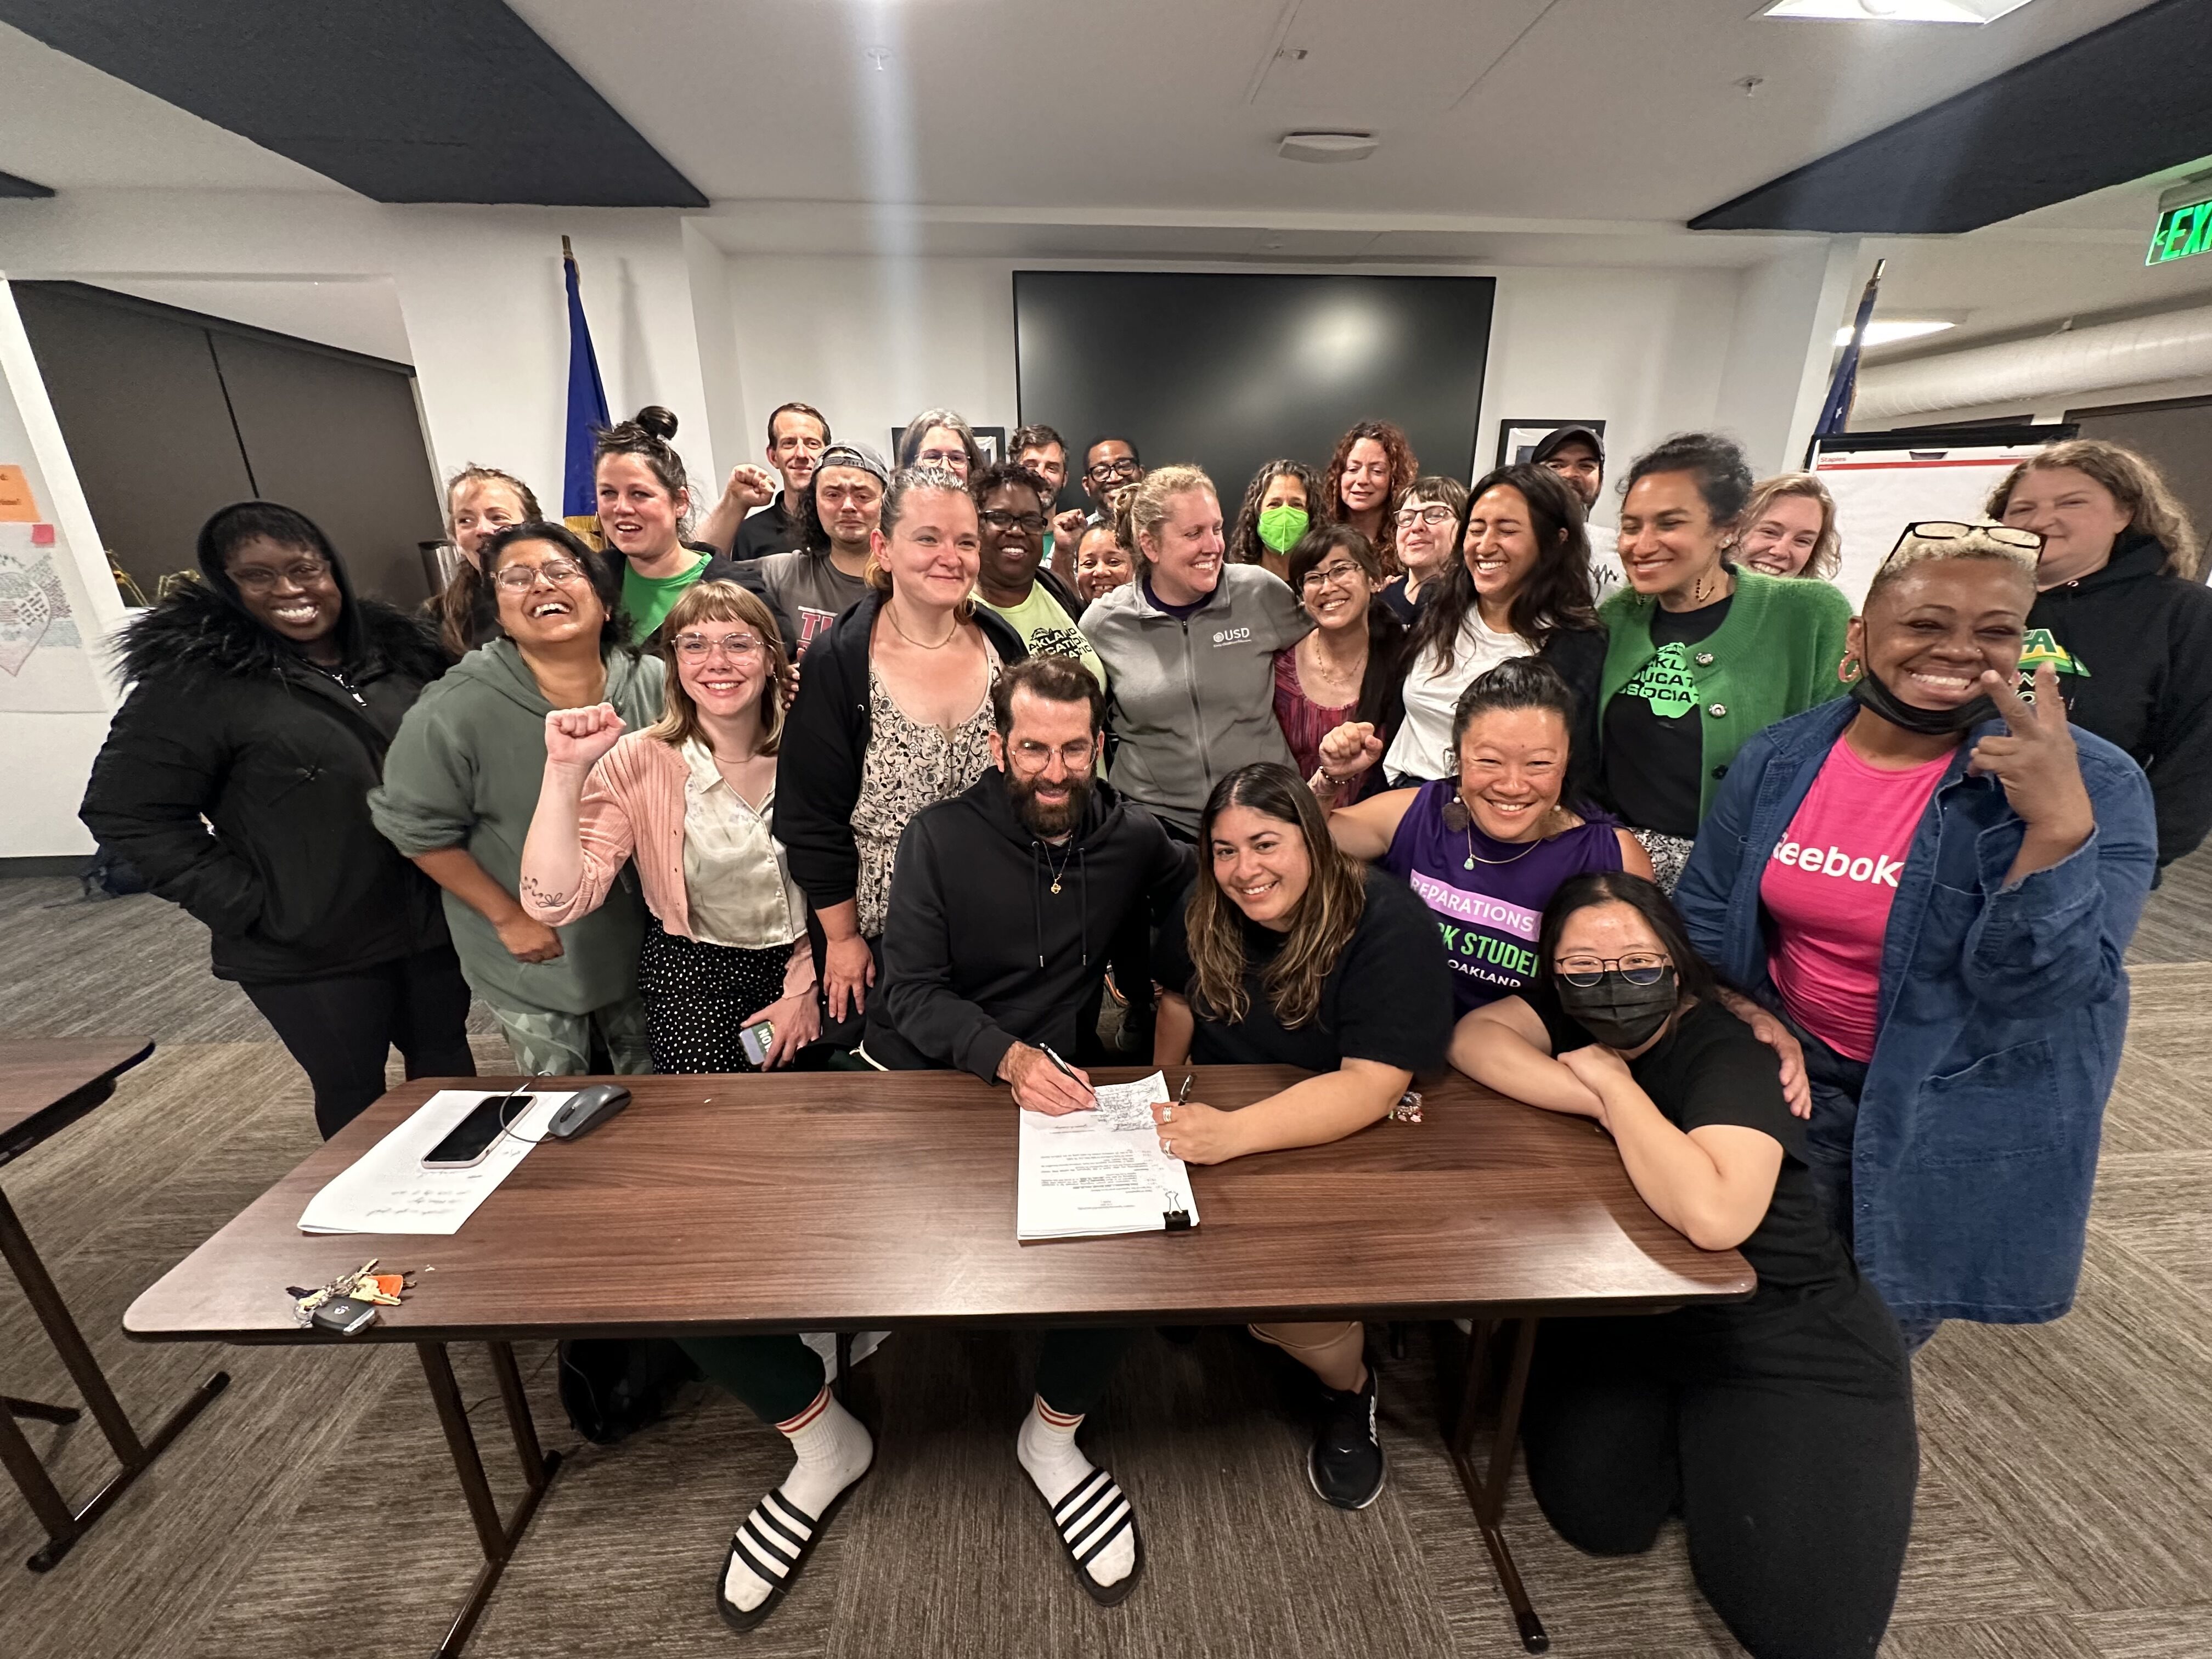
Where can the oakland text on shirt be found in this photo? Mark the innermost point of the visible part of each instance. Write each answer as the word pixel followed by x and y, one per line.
pixel 1049 641
pixel 1835 862
pixel 1468 948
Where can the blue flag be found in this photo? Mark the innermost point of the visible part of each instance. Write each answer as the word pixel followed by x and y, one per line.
pixel 1836 412
pixel 588 404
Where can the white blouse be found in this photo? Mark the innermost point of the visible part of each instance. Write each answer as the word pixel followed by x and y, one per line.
pixel 1423 747
pixel 737 881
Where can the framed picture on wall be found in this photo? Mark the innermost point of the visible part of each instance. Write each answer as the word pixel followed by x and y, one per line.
pixel 1518 440
pixel 991 439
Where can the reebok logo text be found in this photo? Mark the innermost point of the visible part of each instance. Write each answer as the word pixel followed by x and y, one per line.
pixel 1834 861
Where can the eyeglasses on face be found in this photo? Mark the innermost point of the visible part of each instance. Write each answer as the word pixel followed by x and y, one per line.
pixel 1341 571
pixel 1124 467
pixel 1637 967
pixel 1000 519
pixel 1034 757
pixel 522 578
pixel 1434 513
pixel 738 647
pixel 259 579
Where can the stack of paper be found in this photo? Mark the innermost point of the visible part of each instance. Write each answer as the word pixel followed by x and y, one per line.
pixel 1092 1173
pixel 388 1190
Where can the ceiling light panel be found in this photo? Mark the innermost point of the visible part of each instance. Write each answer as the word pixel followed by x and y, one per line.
pixel 1895 11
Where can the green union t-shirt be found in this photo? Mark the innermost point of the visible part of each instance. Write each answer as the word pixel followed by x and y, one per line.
pixel 650 598
pixel 1047 629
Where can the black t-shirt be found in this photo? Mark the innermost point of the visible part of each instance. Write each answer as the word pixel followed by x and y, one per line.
pixel 1711 1069
pixel 1389 998
pixel 1406 610
pixel 1652 759
pixel 768 531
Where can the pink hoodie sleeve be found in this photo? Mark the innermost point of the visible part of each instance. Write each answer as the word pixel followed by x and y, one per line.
pixel 607 837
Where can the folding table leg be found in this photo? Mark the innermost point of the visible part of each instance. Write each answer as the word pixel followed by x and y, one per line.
pixel 498 1538
pixel 38 1409
pixel 1485 1493
pixel 133 1454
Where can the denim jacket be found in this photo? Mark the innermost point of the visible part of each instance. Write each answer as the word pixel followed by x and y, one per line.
pixel 2001 1013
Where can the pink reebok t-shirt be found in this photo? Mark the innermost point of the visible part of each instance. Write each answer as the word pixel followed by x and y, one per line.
pixel 1828 885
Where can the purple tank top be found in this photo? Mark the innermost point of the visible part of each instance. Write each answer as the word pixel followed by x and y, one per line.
pixel 1489 895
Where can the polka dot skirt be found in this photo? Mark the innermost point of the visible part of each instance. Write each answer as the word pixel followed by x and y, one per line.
pixel 698 996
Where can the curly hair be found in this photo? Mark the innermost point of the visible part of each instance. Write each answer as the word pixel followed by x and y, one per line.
pixel 2134 483
pixel 1245 546
pixel 1405 467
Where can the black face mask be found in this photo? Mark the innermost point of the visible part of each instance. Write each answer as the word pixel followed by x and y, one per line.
pixel 1871 693
pixel 1617 1013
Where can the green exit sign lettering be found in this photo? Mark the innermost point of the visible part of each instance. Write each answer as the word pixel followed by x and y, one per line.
pixel 2182 231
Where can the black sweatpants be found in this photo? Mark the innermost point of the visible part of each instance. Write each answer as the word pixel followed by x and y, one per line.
pixel 1786 1445
pixel 341 1029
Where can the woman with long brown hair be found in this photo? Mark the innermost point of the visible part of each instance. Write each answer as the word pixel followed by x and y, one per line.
pixel 1287 953
pixel 1281 503
pixel 1373 468
pixel 725 945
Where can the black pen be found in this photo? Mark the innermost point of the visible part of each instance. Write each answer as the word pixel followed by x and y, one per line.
pixel 1059 1065
pixel 1183 1094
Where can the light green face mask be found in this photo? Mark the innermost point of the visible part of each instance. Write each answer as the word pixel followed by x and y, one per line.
pixel 1281 526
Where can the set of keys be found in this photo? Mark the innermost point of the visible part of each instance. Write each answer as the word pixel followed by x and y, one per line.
pixel 349 1300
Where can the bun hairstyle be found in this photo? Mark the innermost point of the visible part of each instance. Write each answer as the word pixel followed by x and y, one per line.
pixel 647 435
pixel 2134 483
pixel 1723 476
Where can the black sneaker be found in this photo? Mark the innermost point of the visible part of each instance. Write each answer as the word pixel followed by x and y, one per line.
pixel 1346 1465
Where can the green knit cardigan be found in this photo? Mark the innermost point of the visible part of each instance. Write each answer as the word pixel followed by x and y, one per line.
pixel 1777 654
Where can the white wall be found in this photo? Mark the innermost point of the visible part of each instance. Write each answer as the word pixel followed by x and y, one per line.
pixel 872 343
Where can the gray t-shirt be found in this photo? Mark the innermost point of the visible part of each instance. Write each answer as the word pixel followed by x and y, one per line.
pixel 811 590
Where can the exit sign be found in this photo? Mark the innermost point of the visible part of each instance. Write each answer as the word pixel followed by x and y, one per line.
pixel 2182 231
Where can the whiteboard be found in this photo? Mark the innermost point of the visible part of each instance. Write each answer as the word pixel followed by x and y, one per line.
pixel 1879 490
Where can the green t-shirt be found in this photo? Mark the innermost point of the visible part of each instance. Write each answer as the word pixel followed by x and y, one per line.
pixel 650 598
pixel 1047 629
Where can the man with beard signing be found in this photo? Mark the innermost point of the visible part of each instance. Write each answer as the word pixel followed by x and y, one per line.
pixel 1002 903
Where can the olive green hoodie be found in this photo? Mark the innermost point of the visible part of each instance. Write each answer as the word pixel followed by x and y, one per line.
pixel 464 772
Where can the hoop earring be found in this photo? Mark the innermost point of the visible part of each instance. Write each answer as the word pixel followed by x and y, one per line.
pixel 1849 670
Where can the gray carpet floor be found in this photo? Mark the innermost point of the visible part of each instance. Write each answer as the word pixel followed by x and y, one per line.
pixel 2065 1504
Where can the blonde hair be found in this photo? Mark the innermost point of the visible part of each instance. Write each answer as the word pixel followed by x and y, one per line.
pixel 1912 551
pixel 722 602
pixel 1153 500
pixel 2135 484
pixel 906 482
pixel 1827 556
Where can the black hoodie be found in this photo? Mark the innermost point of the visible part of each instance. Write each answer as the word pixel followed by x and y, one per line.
pixel 995 937
pixel 227 722
pixel 2133 648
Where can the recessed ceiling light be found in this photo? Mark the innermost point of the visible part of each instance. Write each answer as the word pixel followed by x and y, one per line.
pixel 1889 333
pixel 1896 12
pixel 1328 146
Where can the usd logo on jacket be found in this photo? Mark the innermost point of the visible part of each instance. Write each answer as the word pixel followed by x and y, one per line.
pixel 1231 636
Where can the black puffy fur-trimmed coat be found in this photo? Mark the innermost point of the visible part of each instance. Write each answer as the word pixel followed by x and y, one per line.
pixel 225 722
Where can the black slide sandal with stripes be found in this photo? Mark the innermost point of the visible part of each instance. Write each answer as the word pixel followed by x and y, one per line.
pixel 1087 1520
pixel 777 1538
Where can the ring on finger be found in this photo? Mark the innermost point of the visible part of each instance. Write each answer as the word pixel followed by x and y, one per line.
pixel 1168 1116
pixel 1168 1146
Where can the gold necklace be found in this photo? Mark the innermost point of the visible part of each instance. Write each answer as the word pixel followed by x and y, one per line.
pixel 916 643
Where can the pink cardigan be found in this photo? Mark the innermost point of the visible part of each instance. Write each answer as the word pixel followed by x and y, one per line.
pixel 633 808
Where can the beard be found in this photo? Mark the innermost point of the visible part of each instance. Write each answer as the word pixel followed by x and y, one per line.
pixel 1048 820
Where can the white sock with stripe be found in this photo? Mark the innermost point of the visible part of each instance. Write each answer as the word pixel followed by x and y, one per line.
pixel 835 1449
pixel 1086 1504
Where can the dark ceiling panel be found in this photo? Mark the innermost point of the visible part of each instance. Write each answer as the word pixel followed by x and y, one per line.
pixel 11 185
pixel 2126 100
pixel 404 101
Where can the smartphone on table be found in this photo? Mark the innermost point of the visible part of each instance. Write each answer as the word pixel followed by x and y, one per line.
pixel 471 1139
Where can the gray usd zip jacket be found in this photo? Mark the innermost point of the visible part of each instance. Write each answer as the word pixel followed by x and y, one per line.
pixel 1192 701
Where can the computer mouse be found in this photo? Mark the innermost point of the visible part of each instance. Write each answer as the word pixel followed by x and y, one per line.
pixel 588 1107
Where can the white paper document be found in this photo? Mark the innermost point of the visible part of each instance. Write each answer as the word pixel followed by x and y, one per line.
pixel 388 1190
pixel 1092 1173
